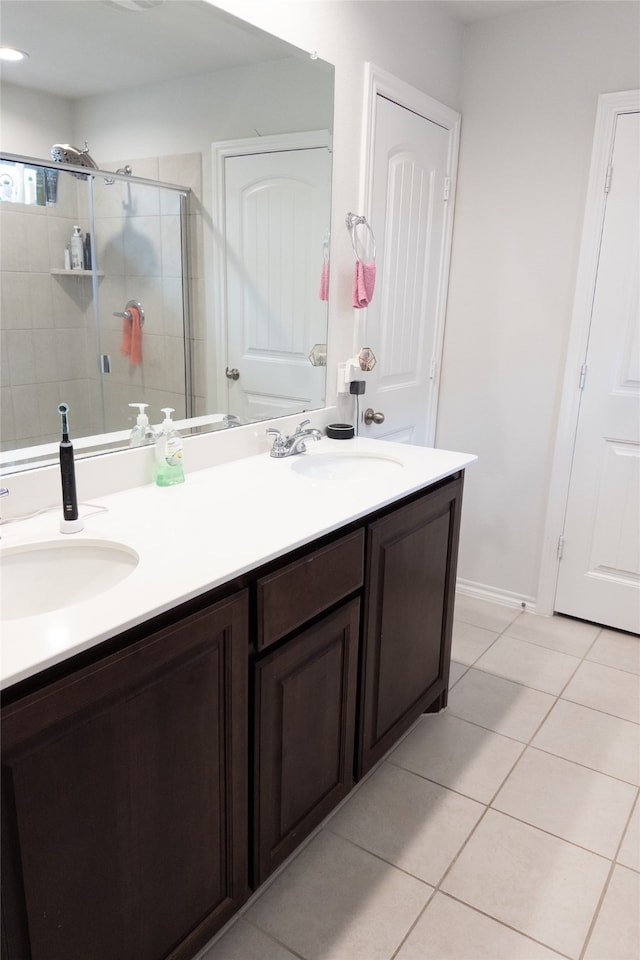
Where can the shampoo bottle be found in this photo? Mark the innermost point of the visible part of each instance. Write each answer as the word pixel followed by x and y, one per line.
pixel 142 433
pixel 77 250
pixel 169 468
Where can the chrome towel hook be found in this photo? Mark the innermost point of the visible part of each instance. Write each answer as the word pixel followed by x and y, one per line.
pixel 354 220
pixel 127 312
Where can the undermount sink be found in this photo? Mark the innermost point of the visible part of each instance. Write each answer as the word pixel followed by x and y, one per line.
pixel 53 574
pixel 348 466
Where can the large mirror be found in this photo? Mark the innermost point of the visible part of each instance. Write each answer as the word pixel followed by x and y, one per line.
pixel 217 137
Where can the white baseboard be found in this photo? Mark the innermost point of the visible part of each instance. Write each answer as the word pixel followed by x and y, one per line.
pixel 505 597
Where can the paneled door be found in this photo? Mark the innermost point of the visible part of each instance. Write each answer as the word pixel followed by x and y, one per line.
pixel 276 222
pixel 599 572
pixel 412 161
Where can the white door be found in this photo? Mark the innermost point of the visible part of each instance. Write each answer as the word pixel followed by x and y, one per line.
pixel 599 572
pixel 277 218
pixel 410 190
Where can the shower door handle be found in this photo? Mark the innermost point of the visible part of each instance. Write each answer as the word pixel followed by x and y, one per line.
pixel 232 374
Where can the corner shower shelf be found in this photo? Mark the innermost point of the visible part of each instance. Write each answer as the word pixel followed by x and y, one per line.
pixel 58 272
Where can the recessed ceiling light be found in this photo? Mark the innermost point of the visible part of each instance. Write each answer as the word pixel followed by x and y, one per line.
pixel 8 53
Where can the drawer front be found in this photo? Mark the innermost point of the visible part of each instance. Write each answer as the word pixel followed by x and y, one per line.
pixel 301 590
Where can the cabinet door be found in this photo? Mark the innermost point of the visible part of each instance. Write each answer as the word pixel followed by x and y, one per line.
pixel 304 734
pixel 124 789
pixel 408 618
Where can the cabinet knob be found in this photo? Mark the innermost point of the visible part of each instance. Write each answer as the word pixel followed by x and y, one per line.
pixel 370 416
pixel 232 374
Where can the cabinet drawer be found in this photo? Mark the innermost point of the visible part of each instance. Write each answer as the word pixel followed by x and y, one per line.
pixel 300 591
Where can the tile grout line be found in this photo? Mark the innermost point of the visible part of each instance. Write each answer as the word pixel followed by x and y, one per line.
pixel 614 863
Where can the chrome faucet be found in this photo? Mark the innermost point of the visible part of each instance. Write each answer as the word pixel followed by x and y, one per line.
pixel 296 443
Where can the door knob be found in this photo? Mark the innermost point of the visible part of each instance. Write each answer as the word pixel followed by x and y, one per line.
pixel 232 374
pixel 370 416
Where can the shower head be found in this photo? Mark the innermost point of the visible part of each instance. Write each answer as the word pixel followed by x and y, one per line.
pixel 65 153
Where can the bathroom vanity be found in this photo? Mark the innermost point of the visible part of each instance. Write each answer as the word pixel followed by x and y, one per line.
pixel 156 775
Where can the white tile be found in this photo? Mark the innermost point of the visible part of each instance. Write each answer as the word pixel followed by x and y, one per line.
pixel 605 688
pixel 245 942
pixel 336 901
pixel 408 821
pixel 484 613
pixel 469 642
pixel 142 246
pixel 457 754
pixel 570 801
pixel 544 887
pixel 456 671
pixel 594 739
pixel 616 649
pixel 617 930
pixel 449 930
pixel 563 634
pixel 527 663
pixel 630 850
pixel 500 705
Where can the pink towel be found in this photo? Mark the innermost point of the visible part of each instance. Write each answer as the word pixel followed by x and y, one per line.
pixel 323 292
pixel 364 279
pixel 131 345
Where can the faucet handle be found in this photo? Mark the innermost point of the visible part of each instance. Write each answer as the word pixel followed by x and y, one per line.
pixel 273 432
pixel 301 426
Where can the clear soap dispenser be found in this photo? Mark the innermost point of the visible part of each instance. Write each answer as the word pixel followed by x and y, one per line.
pixel 142 433
pixel 169 469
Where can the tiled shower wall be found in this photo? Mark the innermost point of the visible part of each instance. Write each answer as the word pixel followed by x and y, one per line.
pixel 45 340
pixel 50 346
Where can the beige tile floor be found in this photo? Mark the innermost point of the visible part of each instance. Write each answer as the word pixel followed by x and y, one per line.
pixel 506 827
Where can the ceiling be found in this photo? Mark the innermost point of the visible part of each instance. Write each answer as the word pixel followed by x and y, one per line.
pixel 80 48
pixel 470 11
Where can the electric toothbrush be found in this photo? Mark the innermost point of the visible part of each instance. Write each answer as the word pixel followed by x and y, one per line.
pixel 70 522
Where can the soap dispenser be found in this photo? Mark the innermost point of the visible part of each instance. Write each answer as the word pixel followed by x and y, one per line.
pixel 169 469
pixel 142 433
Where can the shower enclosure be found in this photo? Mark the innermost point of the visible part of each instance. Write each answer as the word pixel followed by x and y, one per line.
pixel 65 332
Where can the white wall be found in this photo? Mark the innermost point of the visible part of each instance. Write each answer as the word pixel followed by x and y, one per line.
pixel 530 88
pixel 31 119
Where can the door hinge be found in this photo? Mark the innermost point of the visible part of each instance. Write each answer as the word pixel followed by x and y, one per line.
pixel 447 188
pixel 105 363
pixel 583 376
pixel 560 547
pixel 607 179
pixel 433 370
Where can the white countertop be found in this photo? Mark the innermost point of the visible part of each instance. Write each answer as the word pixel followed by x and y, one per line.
pixel 222 522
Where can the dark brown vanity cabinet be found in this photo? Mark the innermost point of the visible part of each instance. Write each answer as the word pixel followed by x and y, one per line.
pixel 304 696
pixel 408 617
pixel 145 784
pixel 125 798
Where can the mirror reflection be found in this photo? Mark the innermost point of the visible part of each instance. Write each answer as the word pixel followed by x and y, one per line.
pixel 216 222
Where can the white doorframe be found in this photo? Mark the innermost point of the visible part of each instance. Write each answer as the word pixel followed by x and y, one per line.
pixel 219 152
pixel 379 82
pixel 610 106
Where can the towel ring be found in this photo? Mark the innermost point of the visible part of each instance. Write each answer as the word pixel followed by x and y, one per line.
pixel 127 312
pixel 354 220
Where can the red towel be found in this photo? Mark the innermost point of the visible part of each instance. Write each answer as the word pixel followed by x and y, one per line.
pixel 364 279
pixel 131 345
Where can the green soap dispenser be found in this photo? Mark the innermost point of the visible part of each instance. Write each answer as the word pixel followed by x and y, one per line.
pixel 169 468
